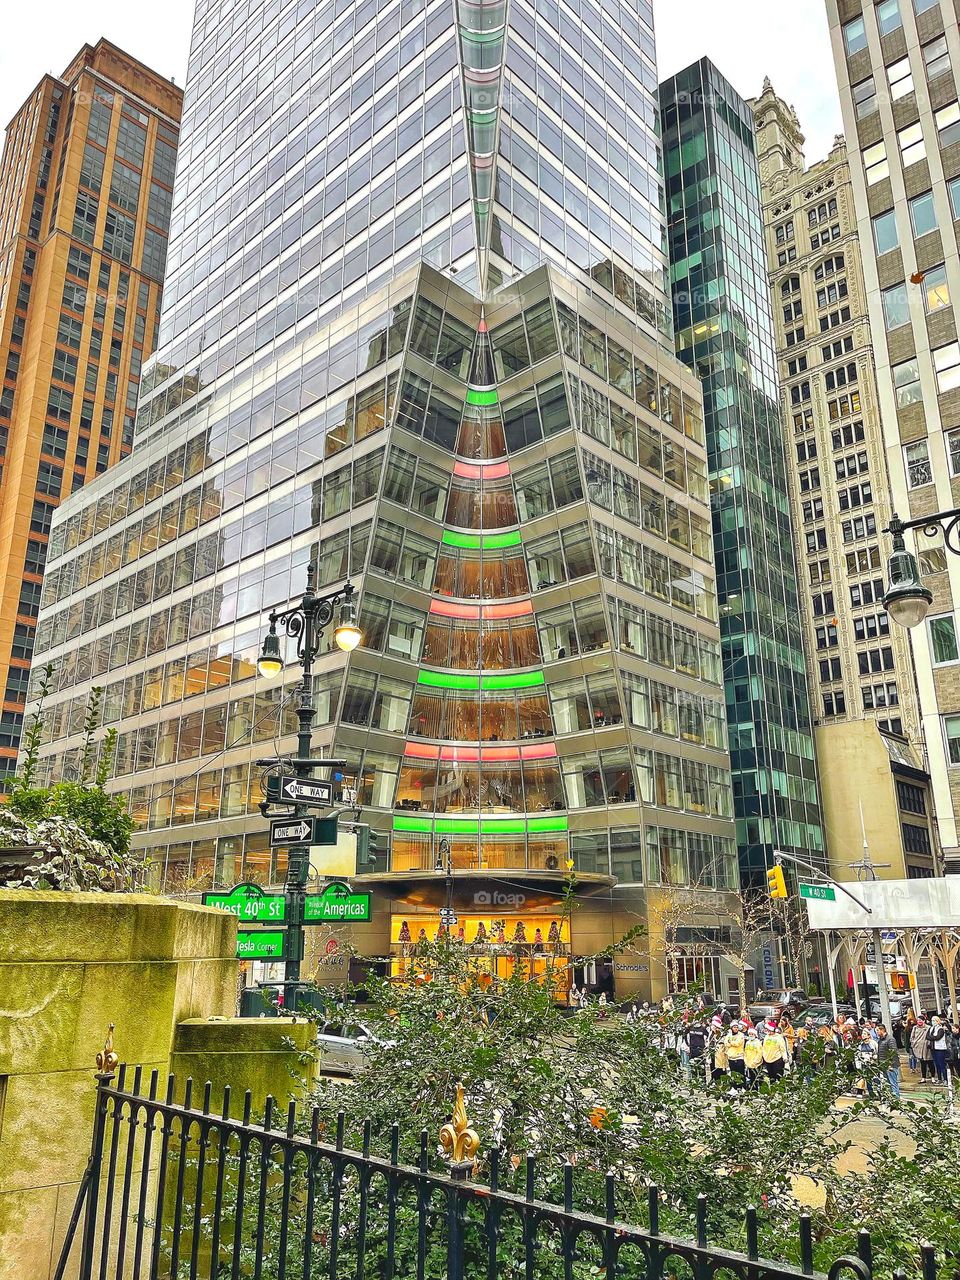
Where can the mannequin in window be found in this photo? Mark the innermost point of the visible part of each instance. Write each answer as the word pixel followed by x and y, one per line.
pixel 553 936
pixel 481 939
pixel 404 937
pixel 538 943
pixel 520 934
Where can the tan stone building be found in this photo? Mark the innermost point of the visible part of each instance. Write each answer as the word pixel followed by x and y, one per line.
pixel 859 663
pixel 85 189
pixel 897 67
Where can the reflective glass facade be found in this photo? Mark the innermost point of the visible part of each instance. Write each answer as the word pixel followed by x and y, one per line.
pixel 722 312
pixel 511 471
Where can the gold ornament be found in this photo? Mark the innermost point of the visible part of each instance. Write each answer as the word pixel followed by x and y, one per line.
pixel 107 1060
pixel 458 1140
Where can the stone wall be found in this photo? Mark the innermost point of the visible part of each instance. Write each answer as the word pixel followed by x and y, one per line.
pixel 71 964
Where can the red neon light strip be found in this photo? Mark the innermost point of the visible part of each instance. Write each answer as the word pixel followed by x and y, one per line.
pixel 481 470
pixel 490 612
pixel 467 755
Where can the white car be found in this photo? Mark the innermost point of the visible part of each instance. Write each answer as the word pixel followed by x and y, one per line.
pixel 342 1048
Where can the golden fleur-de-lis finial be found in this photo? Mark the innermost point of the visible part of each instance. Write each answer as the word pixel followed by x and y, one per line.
pixel 458 1140
pixel 107 1060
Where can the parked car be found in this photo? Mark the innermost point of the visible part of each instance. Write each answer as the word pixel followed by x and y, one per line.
pixel 898 1011
pixel 821 1015
pixel 342 1048
pixel 768 1004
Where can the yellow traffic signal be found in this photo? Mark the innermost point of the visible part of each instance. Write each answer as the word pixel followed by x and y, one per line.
pixel 776 883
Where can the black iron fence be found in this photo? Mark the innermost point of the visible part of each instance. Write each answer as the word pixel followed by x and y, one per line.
pixel 178 1191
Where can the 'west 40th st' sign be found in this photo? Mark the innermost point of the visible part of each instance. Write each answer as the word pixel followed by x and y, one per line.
pixel 335 905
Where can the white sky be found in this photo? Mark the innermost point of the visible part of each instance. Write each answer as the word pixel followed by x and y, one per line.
pixel 747 39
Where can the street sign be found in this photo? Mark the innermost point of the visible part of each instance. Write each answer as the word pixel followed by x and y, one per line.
pixel 302 831
pixel 249 903
pixel 261 944
pixel 822 892
pixel 336 904
pixel 292 790
pixel 448 917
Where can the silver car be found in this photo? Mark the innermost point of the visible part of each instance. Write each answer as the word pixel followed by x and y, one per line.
pixel 342 1048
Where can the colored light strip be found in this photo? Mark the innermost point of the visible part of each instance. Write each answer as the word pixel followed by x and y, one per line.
pixel 481 542
pixel 471 755
pixel 491 612
pixel 486 826
pixel 481 470
pixel 448 680
pixel 477 397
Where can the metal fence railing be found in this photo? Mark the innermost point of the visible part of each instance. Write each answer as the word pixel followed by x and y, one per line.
pixel 180 1191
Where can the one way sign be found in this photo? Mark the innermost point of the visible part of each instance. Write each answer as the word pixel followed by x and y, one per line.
pixel 303 831
pixel 285 787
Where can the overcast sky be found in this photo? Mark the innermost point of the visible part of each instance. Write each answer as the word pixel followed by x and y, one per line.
pixel 747 39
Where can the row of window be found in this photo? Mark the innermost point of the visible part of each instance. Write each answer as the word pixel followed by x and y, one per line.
pixel 912 143
pixel 888 19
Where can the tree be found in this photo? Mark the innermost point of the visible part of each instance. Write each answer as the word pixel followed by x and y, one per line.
pixel 84 831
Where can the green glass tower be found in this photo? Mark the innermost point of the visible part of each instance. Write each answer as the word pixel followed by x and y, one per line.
pixel 724 333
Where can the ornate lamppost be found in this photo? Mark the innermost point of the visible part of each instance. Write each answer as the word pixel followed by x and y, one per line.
pixel 305 623
pixel 907 600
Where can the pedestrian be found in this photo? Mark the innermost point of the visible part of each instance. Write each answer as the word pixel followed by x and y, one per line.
pixel 866 1060
pixel 753 1058
pixel 573 995
pixel 734 1042
pixel 909 1023
pixel 888 1059
pixel 774 1051
pixel 921 1048
pixel 694 1043
pixel 940 1045
pixel 788 1031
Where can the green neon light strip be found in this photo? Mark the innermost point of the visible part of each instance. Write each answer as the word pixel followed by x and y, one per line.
pixel 481 542
pixel 481 397
pixel 447 680
pixel 486 826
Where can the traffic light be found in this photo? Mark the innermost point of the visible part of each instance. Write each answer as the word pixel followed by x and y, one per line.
pixel 367 846
pixel 776 883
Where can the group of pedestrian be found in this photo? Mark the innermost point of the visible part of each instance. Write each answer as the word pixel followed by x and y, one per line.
pixel 719 1046
pixel 933 1045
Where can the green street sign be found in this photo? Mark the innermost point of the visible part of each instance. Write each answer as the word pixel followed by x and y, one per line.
pixel 821 892
pixel 249 903
pixel 335 905
pixel 261 944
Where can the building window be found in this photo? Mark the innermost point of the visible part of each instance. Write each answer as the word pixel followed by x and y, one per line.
pixel 915 839
pixel 899 78
pixel 951 728
pixel 911 142
pixel 888 16
pixel 936 58
pixel 923 217
pixel 936 292
pixel 921 6
pixel 946 361
pixel 943 639
pixel 906 381
pixel 854 36
pixel 953 451
pixel 834 704
pixel 910 798
pixel 916 457
pixel 885 232
pixel 954 186
pixel 865 97
pixel 875 163
pixel 948 124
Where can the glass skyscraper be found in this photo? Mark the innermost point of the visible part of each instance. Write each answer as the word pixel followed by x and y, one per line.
pixel 724 332
pixel 415 331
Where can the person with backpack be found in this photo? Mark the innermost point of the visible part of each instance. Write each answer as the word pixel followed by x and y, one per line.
pixel 694 1042
pixel 888 1059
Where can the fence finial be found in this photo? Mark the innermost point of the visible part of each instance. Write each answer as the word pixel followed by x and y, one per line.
pixel 459 1141
pixel 107 1059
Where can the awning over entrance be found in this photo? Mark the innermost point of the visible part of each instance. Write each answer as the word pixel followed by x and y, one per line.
pixel 512 890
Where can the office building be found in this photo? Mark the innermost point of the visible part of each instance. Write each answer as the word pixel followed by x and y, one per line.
pixel 86 182
pixel 858 662
pixel 725 333
pixel 415 331
pixel 897 64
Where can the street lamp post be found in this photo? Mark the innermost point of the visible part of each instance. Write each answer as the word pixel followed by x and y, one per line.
pixel 907 600
pixel 305 623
